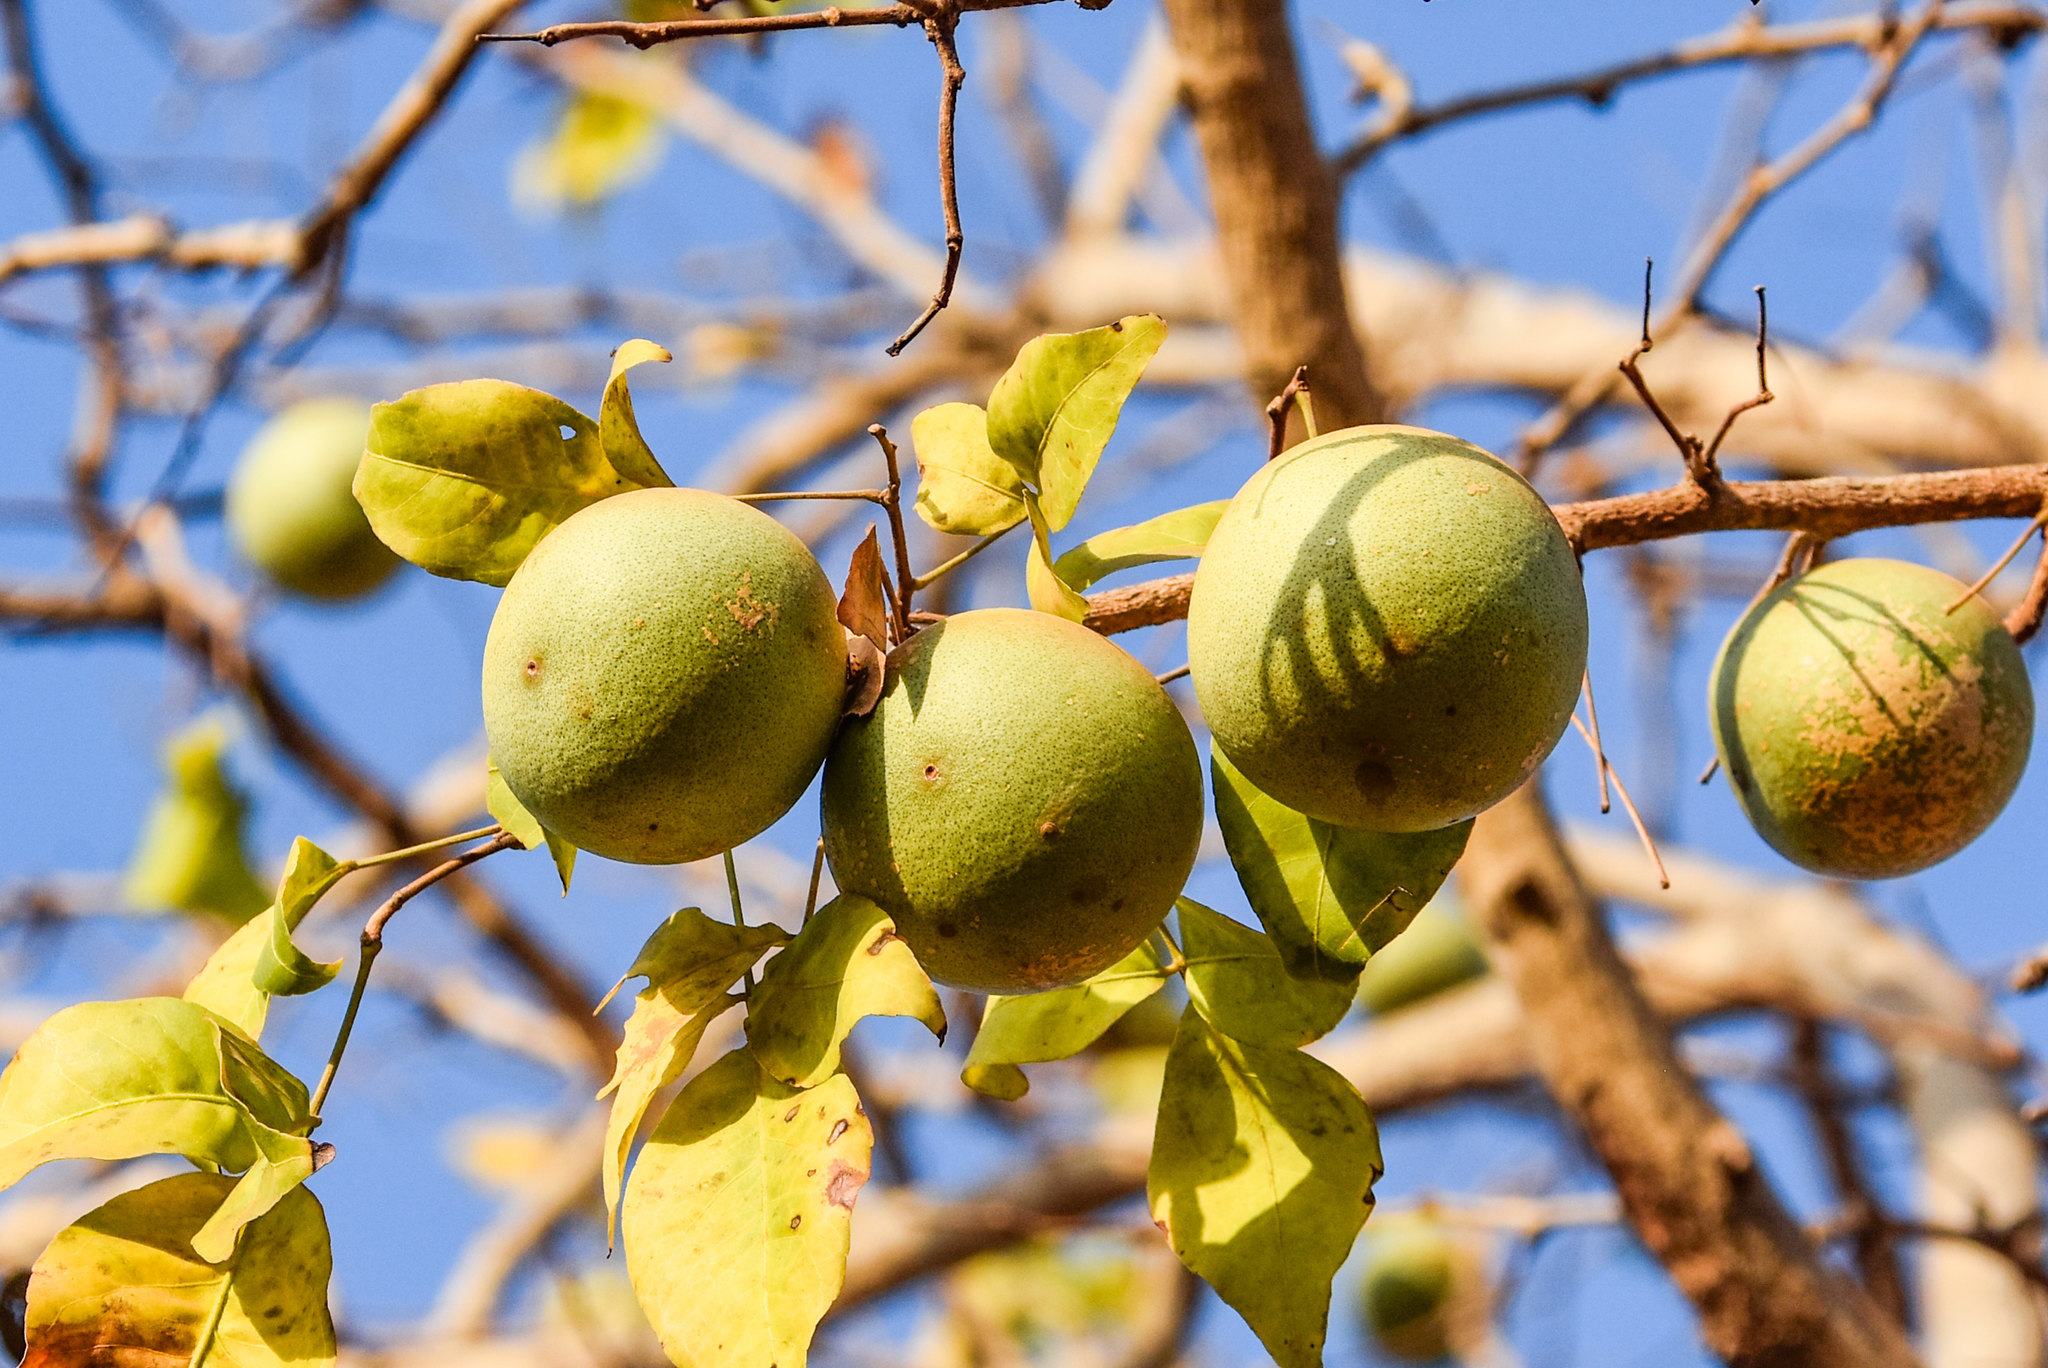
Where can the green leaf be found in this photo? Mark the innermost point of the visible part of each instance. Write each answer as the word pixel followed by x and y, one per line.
pixel 618 429
pixel 123 1285
pixel 688 963
pixel 282 969
pixel 1238 983
pixel 1052 413
pixel 1330 896
pixel 963 487
pixel 847 963
pixel 1179 535
pixel 118 1080
pixel 739 1212
pixel 523 826
pixel 189 855
pixel 1033 1027
pixel 1046 591
pixel 463 479
pixel 1262 1169
pixel 599 144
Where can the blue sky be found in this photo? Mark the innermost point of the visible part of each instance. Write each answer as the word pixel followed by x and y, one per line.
pixel 1562 196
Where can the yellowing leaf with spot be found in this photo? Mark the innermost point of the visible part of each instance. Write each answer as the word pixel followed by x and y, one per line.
pixel 123 1285
pixel 847 963
pixel 1179 535
pixel 688 963
pixel 117 1080
pixel 1033 1027
pixel 1052 413
pixel 524 827
pixel 1262 1169
pixel 1236 981
pixel 963 487
pixel 463 479
pixel 600 144
pixel 1329 896
pixel 739 1211
pixel 619 429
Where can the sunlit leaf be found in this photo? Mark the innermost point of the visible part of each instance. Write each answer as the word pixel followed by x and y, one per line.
pixel 1052 413
pixel 599 144
pixel 1237 982
pixel 1330 896
pixel 189 855
pixel 738 1215
pixel 1032 1027
pixel 463 479
pixel 118 1080
pixel 1262 1169
pixel 847 963
pixel 688 963
pixel 124 1286
pixel 282 969
pixel 511 814
pixel 1046 591
pixel 963 487
pixel 619 429
pixel 1179 535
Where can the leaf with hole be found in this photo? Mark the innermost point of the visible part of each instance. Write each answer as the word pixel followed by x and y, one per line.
pixel 847 963
pixel 1179 535
pixel 1263 1163
pixel 463 479
pixel 1329 896
pixel 1237 982
pixel 1052 413
pixel 123 1285
pixel 1030 1028
pixel 742 1163
pixel 688 963
pixel 963 487
pixel 618 429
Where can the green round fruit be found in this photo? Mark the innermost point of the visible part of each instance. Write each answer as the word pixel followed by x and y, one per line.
pixel 290 510
pixel 663 675
pixel 1388 629
pixel 1436 952
pixel 1407 1295
pixel 1024 800
pixel 1868 732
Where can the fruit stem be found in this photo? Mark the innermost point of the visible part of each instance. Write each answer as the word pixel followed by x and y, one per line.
pixel 393 856
pixel 373 943
pixel 739 916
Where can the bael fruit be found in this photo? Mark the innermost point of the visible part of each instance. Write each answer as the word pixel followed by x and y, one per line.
pixel 1024 800
pixel 1388 629
pixel 663 675
pixel 1418 1288
pixel 290 509
pixel 1867 731
pixel 1436 952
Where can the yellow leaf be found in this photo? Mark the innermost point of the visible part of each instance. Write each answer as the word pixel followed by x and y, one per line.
pixel 963 487
pixel 600 144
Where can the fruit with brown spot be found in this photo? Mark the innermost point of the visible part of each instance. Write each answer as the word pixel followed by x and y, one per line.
pixel 1867 731
pixel 1025 801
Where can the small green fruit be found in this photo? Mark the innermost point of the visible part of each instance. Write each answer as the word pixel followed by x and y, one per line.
pixel 1024 800
pixel 1388 629
pixel 189 856
pixel 290 510
pixel 663 675
pixel 1867 731
pixel 1436 952
pixel 1416 1277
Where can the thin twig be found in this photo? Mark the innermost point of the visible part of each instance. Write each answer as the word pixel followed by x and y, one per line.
pixel 373 943
pixel 1593 730
pixel 1983 580
pixel 1763 393
pixel 1627 805
pixel 680 30
pixel 892 500
pixel 1276 412
pixel 817 873
pixel 873 496
pixel 2025 618
pixel 939 28
pixel 952 563
pixel 1171 675
pixel 739 915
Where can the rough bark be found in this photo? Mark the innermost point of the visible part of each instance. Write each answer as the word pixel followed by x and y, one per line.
pixel 1686 1177
pixel 1275 202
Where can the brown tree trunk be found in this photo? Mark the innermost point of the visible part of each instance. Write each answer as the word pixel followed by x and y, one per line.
pixel 1685 1175
pixel 1275 201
